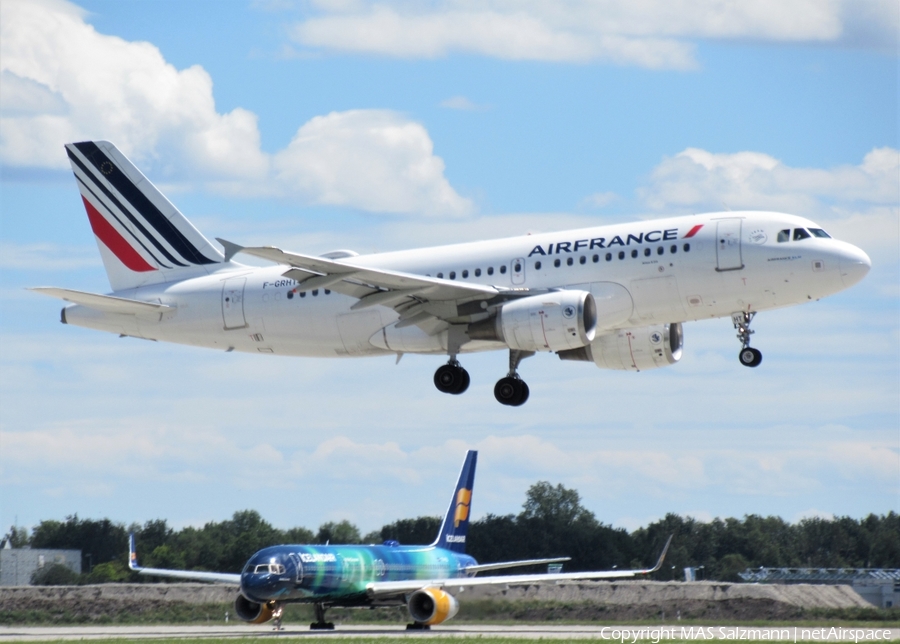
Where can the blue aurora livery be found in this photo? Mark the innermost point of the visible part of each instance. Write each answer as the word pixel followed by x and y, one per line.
pixel 390 574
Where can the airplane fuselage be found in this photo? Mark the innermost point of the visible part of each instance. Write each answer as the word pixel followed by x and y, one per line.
pixel 642 273
pixel 340 574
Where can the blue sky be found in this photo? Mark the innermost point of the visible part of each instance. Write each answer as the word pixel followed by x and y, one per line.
pixel 323 125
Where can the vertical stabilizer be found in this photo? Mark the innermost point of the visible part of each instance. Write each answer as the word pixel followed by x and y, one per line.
pixel 456 523
pixel 142 237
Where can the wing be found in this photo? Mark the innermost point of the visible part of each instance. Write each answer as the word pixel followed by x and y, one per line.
pixel 418 299
pixel 387 588
pixel 195 575
pixel 105 303
pixel 514 564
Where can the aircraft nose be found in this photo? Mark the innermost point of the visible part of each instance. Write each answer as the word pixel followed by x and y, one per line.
pixel 855 265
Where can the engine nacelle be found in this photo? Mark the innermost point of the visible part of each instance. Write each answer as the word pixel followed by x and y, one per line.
pixel 252 612
pixel 432 606
pixel 638 349
pixel 556 321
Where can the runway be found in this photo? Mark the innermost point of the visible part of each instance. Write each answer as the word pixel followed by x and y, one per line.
pixel 621 634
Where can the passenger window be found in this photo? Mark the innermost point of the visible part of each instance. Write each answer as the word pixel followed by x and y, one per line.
pixel 687 248
pixel 596 258
pixel 621 254
pixel 465 274
pixel 800 233
pixel 327 292
pixel 634 253
pixel 784 235
pixel 490 270
pixel 537 266
pixel 673 249
pixel 440 276
pixel 453 275
pixel 518 267
pixel 818 232
pixel 608 257
pixel 583 259
pixel 660 250
pixel 315 291
pixel 302 293
pixel 570 261
pixel 556 262
pixel 477 272
pixel 503 269
pixel 646 252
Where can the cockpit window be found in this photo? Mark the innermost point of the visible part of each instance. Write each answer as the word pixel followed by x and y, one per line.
pixel 269 568
pixel 800 233
pixel 784 235
pixel 818 232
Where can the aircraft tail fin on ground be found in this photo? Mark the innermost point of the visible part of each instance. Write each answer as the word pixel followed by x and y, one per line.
pixel 456 523
pixel 141 235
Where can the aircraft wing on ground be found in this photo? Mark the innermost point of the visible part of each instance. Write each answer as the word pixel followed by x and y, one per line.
pixel 195 575
pixel 417 298
pixel 388 588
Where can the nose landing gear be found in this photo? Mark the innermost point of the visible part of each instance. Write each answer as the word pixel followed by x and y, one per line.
pixel 512 390
pixel 748 356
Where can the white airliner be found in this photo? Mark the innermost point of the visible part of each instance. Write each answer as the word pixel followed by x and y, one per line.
pixel 612 295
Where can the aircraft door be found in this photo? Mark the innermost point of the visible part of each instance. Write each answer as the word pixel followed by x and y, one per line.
pixel 298 568
pixel 517 271
pixel 728 245
pixel 233 303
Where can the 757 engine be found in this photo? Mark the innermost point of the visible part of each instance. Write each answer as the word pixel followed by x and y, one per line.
pixel 253 612
pixel 637 349
pixel 431 606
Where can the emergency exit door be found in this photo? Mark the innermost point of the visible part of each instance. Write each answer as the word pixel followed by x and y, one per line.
pixel 233 303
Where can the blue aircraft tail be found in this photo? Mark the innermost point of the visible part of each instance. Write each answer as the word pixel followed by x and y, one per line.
pixel 456 523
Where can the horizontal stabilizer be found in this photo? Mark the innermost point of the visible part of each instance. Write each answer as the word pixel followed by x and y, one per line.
pixel 105 303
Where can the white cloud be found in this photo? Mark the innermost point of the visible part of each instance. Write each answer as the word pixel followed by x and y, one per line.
pixel 63 81
pixel 647 33
pixel 372 157
pixel 844 196
pixel 463 104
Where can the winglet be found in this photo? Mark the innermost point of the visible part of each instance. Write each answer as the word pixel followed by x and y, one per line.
pixel 662 556
pixel 132 554
pixel 231 249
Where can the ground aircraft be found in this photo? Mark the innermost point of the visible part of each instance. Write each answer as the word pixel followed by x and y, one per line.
pixel 421 577
pixel 612 295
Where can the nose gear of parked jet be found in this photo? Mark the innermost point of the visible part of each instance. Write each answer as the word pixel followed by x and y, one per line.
pixel 512 390
pixel 451 378
pixel 748 356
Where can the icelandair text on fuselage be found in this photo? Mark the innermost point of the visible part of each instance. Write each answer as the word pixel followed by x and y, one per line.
pixel 791 634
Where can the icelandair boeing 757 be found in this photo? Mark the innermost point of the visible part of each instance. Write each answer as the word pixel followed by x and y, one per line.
pixel 612 295
pixel 421 577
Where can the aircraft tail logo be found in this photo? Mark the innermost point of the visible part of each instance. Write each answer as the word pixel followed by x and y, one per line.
pixel 141 235
pixel 456 522
pixel 463 501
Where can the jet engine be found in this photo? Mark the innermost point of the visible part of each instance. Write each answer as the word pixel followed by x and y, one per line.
pixel 252 612
pixel 432 606
pixel 637 349
pixel 556 321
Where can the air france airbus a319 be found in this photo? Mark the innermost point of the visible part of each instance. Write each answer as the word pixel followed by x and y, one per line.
pixel 420 577
pixel 612 295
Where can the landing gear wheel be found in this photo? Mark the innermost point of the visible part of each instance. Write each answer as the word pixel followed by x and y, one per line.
pixel 451 379
pixel 511 391
pixel 416 626
pixel 750 357
pixel 321 626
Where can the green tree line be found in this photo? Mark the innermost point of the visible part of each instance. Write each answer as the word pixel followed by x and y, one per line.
pixel 552 523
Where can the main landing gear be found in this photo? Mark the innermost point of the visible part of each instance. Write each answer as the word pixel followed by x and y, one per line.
pixel 512 390
pixel 451 378
pixel 320 624
pixel 748 356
